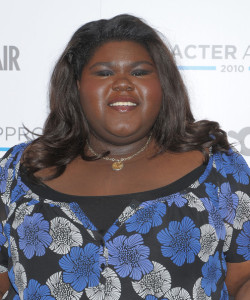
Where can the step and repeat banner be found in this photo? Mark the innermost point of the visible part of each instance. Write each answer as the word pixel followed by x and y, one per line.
pixel 210 40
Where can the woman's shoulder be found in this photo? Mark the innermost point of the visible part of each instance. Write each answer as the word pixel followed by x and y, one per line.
pixel 10 161
pixel 14 151
pixel 232 163
pixel 9 172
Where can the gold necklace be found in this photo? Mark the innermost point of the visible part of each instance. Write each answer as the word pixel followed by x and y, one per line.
pixel 118 164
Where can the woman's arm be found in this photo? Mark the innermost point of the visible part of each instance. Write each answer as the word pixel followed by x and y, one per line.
pixel 238 280
pixel 244 292
pixel 4 283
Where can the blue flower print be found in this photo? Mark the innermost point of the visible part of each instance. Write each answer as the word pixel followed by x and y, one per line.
pixel 129 256
pixel 176 198
pixel 7 228
pixel 215 218
pixel 238 168
pixel 212 192
pixel 234 164
pixel 223 262
pixel 5 172
pixel 227 203
pixel 211 272
pixel 3 178
pixel 2 237
pixel 19 190
pixel 150 297
pixel 33 235
pixel 180 241
pixel 81 216
pixel 150 215
pixel 219 160
pixel 19 152
pixel 12 278
pixel 102 254
pixel 37 291
pixel 32 202
pixel 243 241
pixel 207 171
pixel 19 149
pixel 224 293
pixel 112 230
pixel 81 267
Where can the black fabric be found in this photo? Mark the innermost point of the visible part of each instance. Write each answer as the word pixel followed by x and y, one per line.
pixel 104 210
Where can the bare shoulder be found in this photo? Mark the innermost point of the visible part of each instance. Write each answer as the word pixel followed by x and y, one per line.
pixel 186 161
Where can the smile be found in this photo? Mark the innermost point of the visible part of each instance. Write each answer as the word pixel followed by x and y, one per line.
pixel 123 104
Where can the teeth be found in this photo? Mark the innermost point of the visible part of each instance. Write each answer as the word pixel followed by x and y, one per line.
pixel 123 104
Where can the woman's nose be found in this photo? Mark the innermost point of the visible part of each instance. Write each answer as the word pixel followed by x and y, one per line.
pixel 122 84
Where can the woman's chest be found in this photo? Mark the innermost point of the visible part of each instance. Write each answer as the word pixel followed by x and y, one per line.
pixel 152 248
pixel 97 178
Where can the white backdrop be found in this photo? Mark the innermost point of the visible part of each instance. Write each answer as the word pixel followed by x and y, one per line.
pixel 210 39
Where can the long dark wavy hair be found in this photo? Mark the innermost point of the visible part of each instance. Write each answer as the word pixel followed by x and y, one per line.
pixel 66 128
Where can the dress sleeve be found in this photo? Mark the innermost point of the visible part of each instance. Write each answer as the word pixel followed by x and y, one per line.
pixel 5 173
pixel 234 205
pixel 9 168
pixel 3 250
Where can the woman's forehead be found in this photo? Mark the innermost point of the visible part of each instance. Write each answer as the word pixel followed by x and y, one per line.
pixel 120 51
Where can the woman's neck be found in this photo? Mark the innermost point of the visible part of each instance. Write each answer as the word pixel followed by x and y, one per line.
pixel 122 150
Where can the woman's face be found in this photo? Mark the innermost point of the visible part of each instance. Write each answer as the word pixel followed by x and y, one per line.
pixel 120 92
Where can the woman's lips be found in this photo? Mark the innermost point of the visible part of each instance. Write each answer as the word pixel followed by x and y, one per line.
pixel 123 104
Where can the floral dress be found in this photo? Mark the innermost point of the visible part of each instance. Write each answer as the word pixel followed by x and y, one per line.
pixel 170 243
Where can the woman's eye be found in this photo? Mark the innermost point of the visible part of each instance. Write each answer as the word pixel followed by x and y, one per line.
pixel 140 72
pixel 104 73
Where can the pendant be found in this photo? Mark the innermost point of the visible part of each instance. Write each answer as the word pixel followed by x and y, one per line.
pixel 117 165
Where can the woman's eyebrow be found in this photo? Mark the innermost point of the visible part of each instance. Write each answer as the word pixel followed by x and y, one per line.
pixel 102 63
pixel 142 62
pixel 111 64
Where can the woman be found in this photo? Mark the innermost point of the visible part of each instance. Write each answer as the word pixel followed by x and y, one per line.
pixel 124 195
